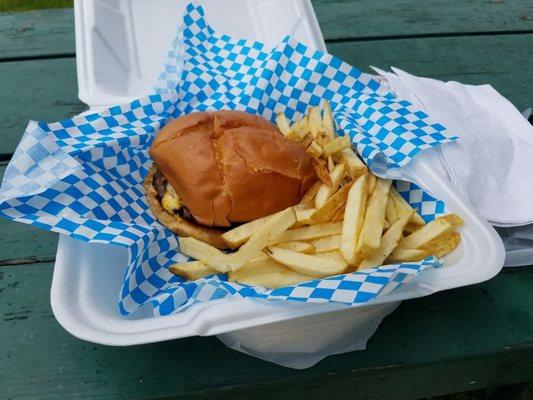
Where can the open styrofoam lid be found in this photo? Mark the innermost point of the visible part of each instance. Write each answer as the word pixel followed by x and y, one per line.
pixel 121 45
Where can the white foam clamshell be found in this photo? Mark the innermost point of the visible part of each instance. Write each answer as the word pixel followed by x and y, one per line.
pixel 121 44
pixel 87 277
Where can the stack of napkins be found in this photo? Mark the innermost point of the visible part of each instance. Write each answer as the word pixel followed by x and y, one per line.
pixel 491 164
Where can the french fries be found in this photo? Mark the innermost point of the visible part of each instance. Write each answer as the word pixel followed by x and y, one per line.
pixel 318 267
pixel 192 270
pixel 239 235
pixel 402 207
pixel 207 254
pixel 389 241
pixel 390 210
pixel 273 280
pixel 258 265
pixel 310 194
pixel 300 129
pixel 322 171
pixel 336 145
pixel 315 149
pixel 446 244
pixel 429 232
pixel 315 122
pixel 370 236
pixel 327 243
pixel 310 232
pixel 300 247
pixel 348 220
pixel 328 122
pixel 354 165
pixel 372 180
pixel 354 214
pixel 283 124
pixel 265 235
pixel 400 254
pixel 330 207
pixel 304 217
pixel 326 191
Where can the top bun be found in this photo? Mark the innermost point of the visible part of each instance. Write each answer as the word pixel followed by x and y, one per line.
pixel 231 166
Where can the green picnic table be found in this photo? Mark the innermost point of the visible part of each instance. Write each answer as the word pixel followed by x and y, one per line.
pixel 459 340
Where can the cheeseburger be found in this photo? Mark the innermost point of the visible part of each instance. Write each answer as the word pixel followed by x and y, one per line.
pixel 215 170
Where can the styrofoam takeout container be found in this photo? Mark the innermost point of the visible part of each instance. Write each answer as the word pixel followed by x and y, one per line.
pixel 120 52
pixel 121 44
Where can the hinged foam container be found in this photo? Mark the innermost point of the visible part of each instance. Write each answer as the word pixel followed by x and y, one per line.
pixel 121 46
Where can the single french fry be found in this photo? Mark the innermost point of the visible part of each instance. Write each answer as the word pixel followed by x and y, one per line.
pixel 322 139
pixel 283 124
pixel 328 243
pixel 315 121
pixel 354 214
pixel 303 128
pixel 322 171
pixel 401 254
pixel 370 236
pixel 192 270
pixel 265 235
pixel 447 239
pixel 388 243
pixel 410 228
pixel 301 207
pixel 372 180
pixel 386 224
pixel 325 191
pixel 306 264
pixel 427 233
pixel 239 235
pixel 304 217
pixel 311 193
pixel 339 215
pixel 333 255
pixel 446 244
pixel 336 145
pixel 309 232
pixel 328 122
pixel 390 211
pixel 314 149
pixel 257 266
pixel 207 254
pixel 403 207
pixel 455 220
pixel 300 247
pixel 306 140
pixel 331 163
pixel 274 280
pixel 334 203
pixel 354 165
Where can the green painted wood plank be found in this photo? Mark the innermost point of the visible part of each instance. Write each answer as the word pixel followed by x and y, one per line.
pixel 51 32
pixel 20 243
pixel 458 340
pixel 39 90
pixel 374 19
pixel 37 33
pixel 46 89
pixel 502 61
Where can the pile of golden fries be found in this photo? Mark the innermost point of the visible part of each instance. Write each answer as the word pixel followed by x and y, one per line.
pixel 348 220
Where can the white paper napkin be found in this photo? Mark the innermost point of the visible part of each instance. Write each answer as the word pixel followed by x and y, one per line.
pixel 491 165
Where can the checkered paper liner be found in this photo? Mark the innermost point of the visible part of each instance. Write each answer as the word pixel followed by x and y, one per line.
pixel 82 177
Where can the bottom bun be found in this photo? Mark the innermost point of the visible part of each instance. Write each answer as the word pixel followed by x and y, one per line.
pixel 176 223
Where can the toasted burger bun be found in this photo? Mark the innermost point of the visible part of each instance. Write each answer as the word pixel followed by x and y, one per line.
pixel 230 167
pixel 176 223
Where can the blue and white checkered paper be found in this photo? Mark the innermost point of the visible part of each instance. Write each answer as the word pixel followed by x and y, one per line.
pixel 83 176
